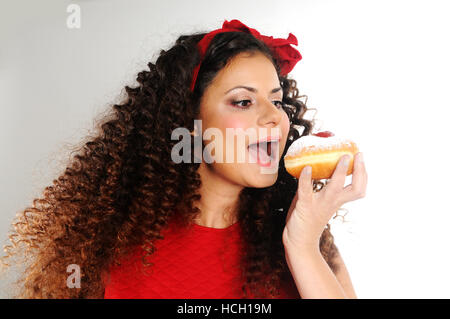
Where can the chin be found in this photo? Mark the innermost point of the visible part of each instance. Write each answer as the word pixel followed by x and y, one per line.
pixel 262 180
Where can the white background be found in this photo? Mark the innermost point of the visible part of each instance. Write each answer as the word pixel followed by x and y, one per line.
pixel 377 71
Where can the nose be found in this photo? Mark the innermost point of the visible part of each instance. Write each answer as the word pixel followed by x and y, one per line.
pixel 270 115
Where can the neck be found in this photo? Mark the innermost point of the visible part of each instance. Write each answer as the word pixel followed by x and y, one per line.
pixel 219 199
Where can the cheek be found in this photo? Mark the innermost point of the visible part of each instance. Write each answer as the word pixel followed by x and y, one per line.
pixel 229 141
pixel 285 125
pixel 235 122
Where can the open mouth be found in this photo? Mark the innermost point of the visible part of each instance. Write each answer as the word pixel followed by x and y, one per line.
pixel 263 152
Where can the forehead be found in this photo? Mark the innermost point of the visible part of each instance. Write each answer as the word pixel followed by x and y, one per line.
pixel 254 70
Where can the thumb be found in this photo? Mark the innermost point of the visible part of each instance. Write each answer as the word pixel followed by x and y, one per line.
pixel 304 183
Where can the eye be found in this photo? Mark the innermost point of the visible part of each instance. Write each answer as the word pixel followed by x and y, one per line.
pixel 236 103
pixel 280 103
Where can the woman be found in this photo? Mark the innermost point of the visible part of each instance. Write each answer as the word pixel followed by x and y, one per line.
pixel 203 229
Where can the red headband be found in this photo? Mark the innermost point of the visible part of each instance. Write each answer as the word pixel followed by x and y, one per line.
pixel 286 55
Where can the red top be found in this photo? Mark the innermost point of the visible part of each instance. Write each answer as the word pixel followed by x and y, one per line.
pixel 194 262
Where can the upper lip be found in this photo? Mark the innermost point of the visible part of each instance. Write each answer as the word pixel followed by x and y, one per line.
pixel 267 139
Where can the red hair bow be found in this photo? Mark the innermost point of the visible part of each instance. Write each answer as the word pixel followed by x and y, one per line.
pixel 286 55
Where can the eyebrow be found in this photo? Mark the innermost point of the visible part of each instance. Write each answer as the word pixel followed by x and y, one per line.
pixel 252 89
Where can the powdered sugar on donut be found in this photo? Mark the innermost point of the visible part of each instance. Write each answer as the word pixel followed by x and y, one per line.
pixel 316 142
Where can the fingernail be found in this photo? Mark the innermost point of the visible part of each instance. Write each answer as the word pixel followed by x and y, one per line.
pixel 360 157
pixel 307 170
pixel 346 160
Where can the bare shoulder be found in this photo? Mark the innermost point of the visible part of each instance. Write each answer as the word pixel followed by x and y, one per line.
pixel 343 276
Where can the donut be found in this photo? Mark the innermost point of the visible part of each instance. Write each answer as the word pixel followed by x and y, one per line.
pixel 322 151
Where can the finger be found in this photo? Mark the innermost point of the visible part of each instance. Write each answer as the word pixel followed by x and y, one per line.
pixel 304 183
pixel 291 207
pixel 357 189
pixel 337 180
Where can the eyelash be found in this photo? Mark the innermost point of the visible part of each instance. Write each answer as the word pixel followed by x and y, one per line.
pixel 235 103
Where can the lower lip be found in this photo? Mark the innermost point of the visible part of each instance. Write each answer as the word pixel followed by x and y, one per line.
pixel 271 161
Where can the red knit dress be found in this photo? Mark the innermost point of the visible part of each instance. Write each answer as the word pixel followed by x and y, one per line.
pixel 194 262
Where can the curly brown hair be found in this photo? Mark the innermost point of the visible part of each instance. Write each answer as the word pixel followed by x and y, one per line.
pixel 121 187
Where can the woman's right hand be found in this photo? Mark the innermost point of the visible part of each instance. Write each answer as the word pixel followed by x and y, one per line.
pixel 311 211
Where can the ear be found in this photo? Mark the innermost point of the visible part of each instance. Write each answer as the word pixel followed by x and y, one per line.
pixel 196 129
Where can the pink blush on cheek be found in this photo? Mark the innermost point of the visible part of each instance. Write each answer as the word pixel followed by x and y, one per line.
pixel 233 122
pixel 235 125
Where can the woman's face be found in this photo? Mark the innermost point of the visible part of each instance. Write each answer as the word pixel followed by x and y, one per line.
pixel 250 115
